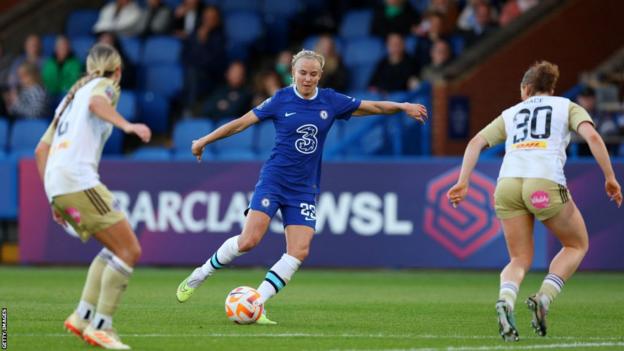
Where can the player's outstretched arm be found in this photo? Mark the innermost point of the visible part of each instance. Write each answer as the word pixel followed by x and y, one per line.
pixel 458 192
pixel 226 130
pixel 599 150
pixel 103 109
pixel 415 111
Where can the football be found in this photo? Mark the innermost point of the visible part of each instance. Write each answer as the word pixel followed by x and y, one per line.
pixel 242 305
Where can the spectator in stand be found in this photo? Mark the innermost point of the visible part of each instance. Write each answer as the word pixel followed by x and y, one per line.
pixel 394 16
pixel 232 98
pixel 204 57
pixel 282 66
pixel 32 54
pixel 395 71
pixel 29 100
pixel 440 57
pixel 484 25
pixel 449 14
pixel 187 17
pixel 513 9
pixel 335 74
pixel 606 124
pixel 154 20
pixel 422 51
pixel 61 70
pixel 119 17
pixel 266 83
pixel 129 70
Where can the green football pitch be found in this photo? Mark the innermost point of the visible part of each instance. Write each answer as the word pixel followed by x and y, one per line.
pixel 319 310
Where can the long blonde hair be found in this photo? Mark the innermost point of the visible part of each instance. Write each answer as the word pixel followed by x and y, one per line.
pixel 102 61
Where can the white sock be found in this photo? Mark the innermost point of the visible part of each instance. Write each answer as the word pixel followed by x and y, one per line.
pixel 223 256
pixel 102 321
pixel 277 278
pixel 509 293
pixel 85 310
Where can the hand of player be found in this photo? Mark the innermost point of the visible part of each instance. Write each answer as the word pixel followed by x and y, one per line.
pixel 141 130
pixel 457 193
pixel 614 190
pixel 416 111
pixel 58 218
pixel 198 149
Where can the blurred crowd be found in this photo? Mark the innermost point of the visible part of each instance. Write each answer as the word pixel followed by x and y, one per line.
pixel 218 85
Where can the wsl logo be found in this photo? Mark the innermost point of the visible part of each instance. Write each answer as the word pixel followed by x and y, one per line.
pixel 470 226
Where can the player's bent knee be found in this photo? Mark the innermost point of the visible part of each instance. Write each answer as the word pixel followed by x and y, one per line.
pixel 300 253
pixel 248 242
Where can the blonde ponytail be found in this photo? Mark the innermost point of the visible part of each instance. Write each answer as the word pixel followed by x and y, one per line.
pixel 102 61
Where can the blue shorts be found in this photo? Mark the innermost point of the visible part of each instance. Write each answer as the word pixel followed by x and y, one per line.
pixel 296 208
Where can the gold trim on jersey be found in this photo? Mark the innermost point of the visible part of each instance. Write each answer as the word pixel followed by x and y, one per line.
pixel 530 145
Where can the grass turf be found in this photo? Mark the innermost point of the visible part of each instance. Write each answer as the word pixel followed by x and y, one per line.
pixel 319 310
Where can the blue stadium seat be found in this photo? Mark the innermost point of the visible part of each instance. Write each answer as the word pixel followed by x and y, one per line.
pixel 25 135
pixel 164 79
pixel 154 111
pixel 458 44
pixel 151 153
pixel 8 189
pixel 4 133
pixel 356 24
pixel 310 43
pixel 81 46
pixel 361 57
pixel 127 105
pixel 366 136
pixel 48 41
pixel 240 5
pixel 81 22
pixel 132 48
pixel 333 147
pixel 237 147
pixel 281 8
pixel 364 95
pixel 265 139
pixel 114 144
pixel 411 42
pixel 161 50
pixel 187 130
pixel 249 20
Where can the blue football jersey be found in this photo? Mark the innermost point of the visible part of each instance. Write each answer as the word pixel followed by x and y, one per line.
pixel 301 126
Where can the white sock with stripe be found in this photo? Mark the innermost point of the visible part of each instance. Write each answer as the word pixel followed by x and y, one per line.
pixel 509 293
pixel 551 287
pixel 223 256
pixel 277 278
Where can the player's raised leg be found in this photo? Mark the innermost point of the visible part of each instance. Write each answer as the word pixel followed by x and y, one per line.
pixel 120 240
pixel 298 240
pixel 256 225
pixel 569 227
pixel 78 321
pixel 519 238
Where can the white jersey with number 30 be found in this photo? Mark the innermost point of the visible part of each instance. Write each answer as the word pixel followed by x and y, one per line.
pixel 538 133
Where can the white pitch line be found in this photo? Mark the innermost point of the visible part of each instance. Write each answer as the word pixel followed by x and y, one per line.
pixel 575 345
pixel 319 335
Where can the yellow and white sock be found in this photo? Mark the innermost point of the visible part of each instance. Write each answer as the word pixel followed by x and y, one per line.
pixel 91 290
pixel 508 292
pixel 114 282
pixel 551 287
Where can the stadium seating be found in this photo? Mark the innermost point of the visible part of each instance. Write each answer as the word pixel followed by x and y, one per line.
pixel 165 79
pixel 132 49
pixel 310 43
pixel 48 41
pixel 4 133
pixel 237 147
pixel 240 5
pixel 239 41
pixel 114 144
pixel 356 24
pixel 265 139
pixel 81 46
pixel 81 22
pixel 8 189
pixel 25 135
pixel 154 111
pixel 161 50
pixel 127 105
pixel 333 147
pixel 151 153
pixel 361 57
pixel 281 9
pixel 187 130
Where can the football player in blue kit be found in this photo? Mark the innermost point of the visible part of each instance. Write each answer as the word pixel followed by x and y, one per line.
pixel 289 181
